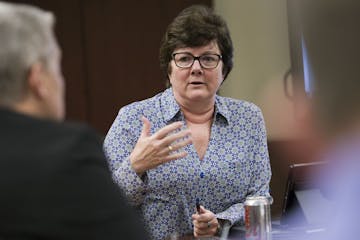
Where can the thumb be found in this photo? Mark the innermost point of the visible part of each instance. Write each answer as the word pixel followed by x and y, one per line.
pixel 202 209
pixel 146 127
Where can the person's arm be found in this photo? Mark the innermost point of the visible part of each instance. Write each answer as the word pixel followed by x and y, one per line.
pixel 261 172
pixel 118 144
pixel 133 149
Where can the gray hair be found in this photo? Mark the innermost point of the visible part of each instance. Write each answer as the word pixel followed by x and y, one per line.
pixel 26 34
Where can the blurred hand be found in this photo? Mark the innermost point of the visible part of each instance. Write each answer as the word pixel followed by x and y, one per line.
pixel 205 223
pixel 151 151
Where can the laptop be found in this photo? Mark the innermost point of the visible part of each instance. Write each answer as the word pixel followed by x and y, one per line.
pixel 305 206
pixel 305 203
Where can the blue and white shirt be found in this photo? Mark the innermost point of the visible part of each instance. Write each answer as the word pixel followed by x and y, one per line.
pixel 236 164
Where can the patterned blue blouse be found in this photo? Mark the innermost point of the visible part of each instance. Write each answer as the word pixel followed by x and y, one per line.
pixel 235 165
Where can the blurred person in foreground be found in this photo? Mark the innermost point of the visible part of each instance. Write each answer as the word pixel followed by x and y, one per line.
pixel 54 179
pixel 332 37
pixel 187 144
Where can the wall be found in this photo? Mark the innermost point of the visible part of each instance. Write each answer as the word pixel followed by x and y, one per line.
pixel 110 52
pixel 260 36
pixel 259 30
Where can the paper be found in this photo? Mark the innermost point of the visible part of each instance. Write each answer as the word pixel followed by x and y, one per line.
pixel 315 207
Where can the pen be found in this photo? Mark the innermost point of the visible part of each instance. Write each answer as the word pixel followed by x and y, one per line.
pixel 198 206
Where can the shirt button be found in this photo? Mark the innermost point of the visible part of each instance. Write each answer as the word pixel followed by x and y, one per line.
pixel 202 175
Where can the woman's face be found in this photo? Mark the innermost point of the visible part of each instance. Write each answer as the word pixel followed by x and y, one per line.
pixel 196 83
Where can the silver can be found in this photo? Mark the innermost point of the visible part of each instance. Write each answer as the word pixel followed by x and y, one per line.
pixel 258 218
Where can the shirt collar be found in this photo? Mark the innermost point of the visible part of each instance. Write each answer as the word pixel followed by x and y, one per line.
pixel 171 108
pixel 221 108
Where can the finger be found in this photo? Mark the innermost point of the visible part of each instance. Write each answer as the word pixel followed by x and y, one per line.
pixel 202 225
pixel 204 228
pixel 203 233
pixel 174 147
pixel 197 216
pixel 146 127
pixel 202 209
pixel 167 158
pixel 206 217
pixel 184 134
pixel 173 156
pixel 163 132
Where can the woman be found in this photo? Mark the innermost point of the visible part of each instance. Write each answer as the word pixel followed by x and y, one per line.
pixel 188 145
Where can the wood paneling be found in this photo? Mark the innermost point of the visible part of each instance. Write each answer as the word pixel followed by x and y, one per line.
pixel 110 52
pixel 122 56
pixel 122 49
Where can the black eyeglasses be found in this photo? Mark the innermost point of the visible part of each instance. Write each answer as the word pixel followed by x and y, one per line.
pixel 186 60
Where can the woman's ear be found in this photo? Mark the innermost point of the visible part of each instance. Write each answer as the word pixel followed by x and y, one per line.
pixel 37 81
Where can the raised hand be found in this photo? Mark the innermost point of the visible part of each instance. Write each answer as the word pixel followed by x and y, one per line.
pixel 151 151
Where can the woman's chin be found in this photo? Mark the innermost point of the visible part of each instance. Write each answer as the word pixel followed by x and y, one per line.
pixel 200 97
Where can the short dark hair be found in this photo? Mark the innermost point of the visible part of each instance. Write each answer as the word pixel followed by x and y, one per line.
pixel 196 26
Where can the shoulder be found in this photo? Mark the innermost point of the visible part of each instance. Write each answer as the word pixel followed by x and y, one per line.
pixel 75 140
pixel 236 108
pixel 142 106
pixel 83 137
pixel 72 130
pixel 129 116
pixel 45 138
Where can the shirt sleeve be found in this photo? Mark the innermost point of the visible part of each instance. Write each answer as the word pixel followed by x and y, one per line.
pixel 234 214
pixel 118 144
pixel 261 171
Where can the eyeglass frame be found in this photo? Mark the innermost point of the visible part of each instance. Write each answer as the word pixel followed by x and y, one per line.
pixel 198 59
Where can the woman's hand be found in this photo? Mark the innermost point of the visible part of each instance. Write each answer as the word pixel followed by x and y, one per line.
pixel 151 151
pixel 205 223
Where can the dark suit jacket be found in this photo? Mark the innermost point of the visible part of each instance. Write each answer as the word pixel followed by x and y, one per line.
pixel 55 184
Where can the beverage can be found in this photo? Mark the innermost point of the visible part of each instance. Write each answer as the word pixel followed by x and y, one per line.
pixel 257 218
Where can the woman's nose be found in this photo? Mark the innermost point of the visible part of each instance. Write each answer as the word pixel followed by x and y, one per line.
pixel 196 68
